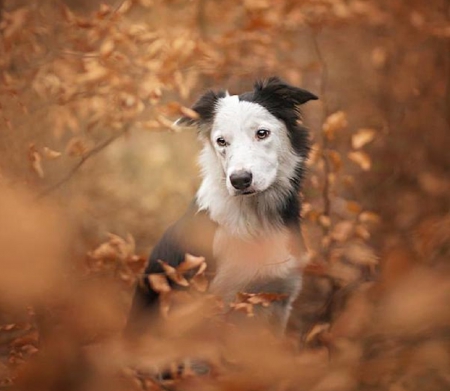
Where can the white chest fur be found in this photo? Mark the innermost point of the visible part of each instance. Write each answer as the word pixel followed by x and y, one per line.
pixel 242 261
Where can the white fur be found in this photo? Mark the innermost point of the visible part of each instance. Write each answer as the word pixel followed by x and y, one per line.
pixel 272 162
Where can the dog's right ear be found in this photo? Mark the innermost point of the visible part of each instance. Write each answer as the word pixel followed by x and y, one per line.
pixel 205 108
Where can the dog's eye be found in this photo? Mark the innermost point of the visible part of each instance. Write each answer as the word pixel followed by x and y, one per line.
pixel 261 134
pixel 221 142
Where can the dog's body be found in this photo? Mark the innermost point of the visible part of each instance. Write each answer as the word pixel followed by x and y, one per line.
pixel 245 218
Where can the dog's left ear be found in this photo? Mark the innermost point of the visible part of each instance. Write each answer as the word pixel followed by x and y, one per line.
pixel 205 108
pixel 274 92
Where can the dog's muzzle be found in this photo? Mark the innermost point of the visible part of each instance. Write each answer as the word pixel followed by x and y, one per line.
pixel 241 180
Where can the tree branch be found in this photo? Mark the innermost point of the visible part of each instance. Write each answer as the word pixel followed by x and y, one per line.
pixel 77 166
pixel 324 140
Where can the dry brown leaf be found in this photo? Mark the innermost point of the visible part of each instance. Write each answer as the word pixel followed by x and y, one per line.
pixel 200 282
pixel 353 207
pixel 36 164
pixel 335 159
pixel 362 232
pixel 342 273
pixel 243 307
pixel 190 262
pixel 362 137
pixel 186 111
pixel 264 299
pixel 325 221
pixel 76 147
pixel 342 231
pixel 362 159
pixel 334 123
pixel 316 331
pixel 369 217
pixel 360 253
pixel 159 283
pixel 173 274
pixel 35 161
pixel 107 48
pixel 125 7
pixel 50 154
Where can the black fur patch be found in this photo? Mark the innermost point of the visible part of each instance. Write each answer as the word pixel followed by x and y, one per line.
pixel 205 107
pixel 282 100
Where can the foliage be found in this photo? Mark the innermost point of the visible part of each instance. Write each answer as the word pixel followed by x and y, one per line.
pixel 88 95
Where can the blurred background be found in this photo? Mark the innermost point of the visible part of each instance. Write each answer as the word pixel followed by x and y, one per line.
pixel 92 172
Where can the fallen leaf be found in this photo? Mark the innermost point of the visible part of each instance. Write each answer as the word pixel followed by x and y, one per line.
pixel 173 274
pixel 361 159
pixel 35 161
pixel 369 217
pixel 342 231
pixel 159 283
pixel 316 331
pixel 190 262
pixel 49 154
pixel 362 137
pixel 334 123
pixel 186 111
pixel 335 159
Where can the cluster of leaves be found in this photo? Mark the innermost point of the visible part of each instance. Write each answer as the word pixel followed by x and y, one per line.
pixel 73 82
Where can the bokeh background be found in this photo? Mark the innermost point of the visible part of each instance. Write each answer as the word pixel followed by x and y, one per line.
pixel 92 172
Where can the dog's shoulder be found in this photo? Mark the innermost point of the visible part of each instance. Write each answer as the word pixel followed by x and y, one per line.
pixel 193 233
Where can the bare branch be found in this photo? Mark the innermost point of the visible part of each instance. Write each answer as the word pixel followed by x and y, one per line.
pixel 325 113
pixel 77 166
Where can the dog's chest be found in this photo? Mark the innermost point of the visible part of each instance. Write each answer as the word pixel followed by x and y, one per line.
pixel 243 264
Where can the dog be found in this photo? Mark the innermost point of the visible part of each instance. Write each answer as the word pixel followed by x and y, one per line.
pixel 245 218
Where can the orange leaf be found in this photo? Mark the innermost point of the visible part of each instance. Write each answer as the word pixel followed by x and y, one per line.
pixel 334 123
pixel 361 159
pixel 50 154
pixel 362 137
pixel 190 262
pixel 159 283
pixel 173 274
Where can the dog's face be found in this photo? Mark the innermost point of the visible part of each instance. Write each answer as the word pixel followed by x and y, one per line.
pixel 255 135
pixel 249 142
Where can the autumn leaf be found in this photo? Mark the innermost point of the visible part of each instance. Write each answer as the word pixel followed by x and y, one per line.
pixel 335 159
pixel 361 159
pixel 50 154
pixel 35 161
pixel 353 207
pixel 173 274
pixel 317 330
pixel 76 147
pixel 362 137
pixel 186 111
pixel 342 231
pixel 325 221
pixel 190 262
pixel 107 48
pixel 334 123
pixel 159 283
pixel 369 217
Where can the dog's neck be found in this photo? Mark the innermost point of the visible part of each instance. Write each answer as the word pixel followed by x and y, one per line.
pixel 244 216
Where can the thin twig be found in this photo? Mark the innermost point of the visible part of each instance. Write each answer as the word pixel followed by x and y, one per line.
pixel 325 143
pixel 77 166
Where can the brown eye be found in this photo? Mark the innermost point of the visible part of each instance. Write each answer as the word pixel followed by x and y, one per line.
pixel 221 142
pixel 261 134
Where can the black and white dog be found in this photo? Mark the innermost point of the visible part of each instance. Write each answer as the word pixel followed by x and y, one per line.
pixel 245 218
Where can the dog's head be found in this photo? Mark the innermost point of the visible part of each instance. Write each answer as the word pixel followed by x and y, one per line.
pixel 255 135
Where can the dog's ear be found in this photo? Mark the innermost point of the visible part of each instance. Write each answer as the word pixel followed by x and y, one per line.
pixel 204 107
pixel 274 92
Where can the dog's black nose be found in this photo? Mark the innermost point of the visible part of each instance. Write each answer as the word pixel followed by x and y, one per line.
pixel 241 179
